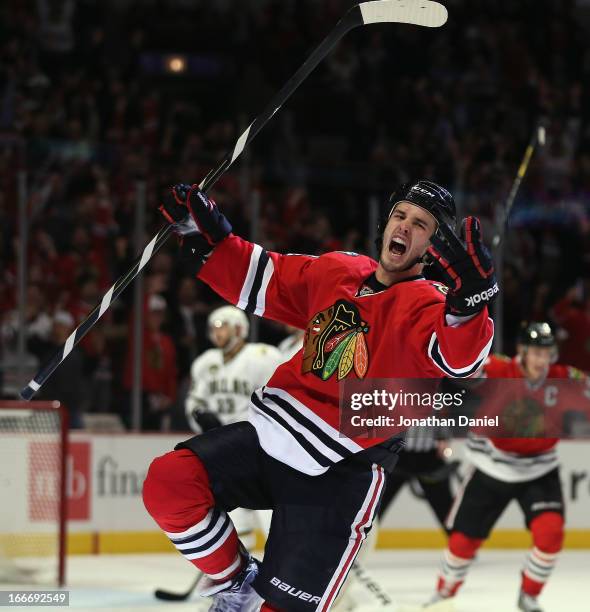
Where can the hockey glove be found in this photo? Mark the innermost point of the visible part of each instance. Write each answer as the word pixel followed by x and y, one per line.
pixel 196 221
pixel 190 211
pixel 206 420
pixel 199 417
pixel 466 267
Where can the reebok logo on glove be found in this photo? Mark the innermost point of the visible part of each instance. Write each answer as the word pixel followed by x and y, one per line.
pixel 484 296
pixel 466 268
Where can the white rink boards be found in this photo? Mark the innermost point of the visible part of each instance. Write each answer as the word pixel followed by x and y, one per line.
pixel 106 472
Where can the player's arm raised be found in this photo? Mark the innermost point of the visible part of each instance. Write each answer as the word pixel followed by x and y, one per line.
pixel 254 279
pixel 463 338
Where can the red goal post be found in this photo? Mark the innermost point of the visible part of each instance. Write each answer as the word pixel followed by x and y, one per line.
pixel 33 452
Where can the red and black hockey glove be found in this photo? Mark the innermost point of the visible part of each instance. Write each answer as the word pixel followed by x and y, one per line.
pixel 190 211
pixel 197 222
pixel 466 267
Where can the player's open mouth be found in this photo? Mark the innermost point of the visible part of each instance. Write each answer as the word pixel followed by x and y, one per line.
pixel 397 246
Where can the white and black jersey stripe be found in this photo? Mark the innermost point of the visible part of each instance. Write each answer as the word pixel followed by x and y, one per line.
pixel 506 466
pixel 293 434
pixel 435 353
pixel 253 293
pixel 205 537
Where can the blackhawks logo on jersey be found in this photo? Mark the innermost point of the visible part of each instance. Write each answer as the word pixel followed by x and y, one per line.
pixel 335 342
pixel 523 418
pixel 441 288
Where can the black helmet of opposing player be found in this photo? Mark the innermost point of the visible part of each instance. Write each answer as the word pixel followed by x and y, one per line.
pixel 427 195
pixel 538 333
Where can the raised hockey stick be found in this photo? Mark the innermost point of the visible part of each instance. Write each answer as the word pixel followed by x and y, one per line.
pixel 417 12
pixel 172 596
pixel 538 137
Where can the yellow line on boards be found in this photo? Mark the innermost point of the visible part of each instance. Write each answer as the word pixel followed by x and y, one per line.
pixel 113 542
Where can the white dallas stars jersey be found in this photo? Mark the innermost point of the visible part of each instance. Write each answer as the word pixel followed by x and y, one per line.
pixel 290 346
pixel 225 388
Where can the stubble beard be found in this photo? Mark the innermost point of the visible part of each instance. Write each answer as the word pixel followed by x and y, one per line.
pixel 390 268
pixel 402 266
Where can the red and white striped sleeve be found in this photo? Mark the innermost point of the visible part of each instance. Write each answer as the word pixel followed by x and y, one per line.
pixel 460 351
pixel 261 282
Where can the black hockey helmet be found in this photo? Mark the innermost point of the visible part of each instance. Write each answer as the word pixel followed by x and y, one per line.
pixel 537 333
pixel 427 195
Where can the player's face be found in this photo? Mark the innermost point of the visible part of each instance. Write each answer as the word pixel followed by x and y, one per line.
pixel 537 360
pixel 220 334
pixel 406 237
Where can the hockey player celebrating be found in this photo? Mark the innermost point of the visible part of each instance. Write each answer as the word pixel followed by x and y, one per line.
pixel 223 378
pixel 362 319
pixel 504 469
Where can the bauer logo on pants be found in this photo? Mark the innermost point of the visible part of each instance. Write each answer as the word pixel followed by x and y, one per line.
pixel 294 591
pixel 335 342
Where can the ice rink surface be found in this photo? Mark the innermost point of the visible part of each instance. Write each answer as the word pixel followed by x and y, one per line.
pixel 127 582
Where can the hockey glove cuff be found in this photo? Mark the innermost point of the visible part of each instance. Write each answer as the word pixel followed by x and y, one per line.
pixel 466 267
pixel 194 251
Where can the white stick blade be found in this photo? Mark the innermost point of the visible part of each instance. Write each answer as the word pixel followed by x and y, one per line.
pixel 417 12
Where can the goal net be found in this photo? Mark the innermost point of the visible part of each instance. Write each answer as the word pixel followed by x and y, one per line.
pixel 33 445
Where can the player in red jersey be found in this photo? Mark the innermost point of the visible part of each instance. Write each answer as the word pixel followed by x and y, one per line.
pixel 363 319
pixel 504 469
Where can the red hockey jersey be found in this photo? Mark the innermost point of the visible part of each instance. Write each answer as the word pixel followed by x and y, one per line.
pixel 517 459
pixel 398 332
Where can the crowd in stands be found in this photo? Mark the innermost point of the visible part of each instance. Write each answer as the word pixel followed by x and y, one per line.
pixel 90 109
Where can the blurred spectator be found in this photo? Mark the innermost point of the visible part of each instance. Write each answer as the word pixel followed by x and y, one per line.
pixel 38 327
pixel 67 383
pixel 188 324
pixel 87 108
pixel 38 319
pixel 572 314
pixel 159 370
